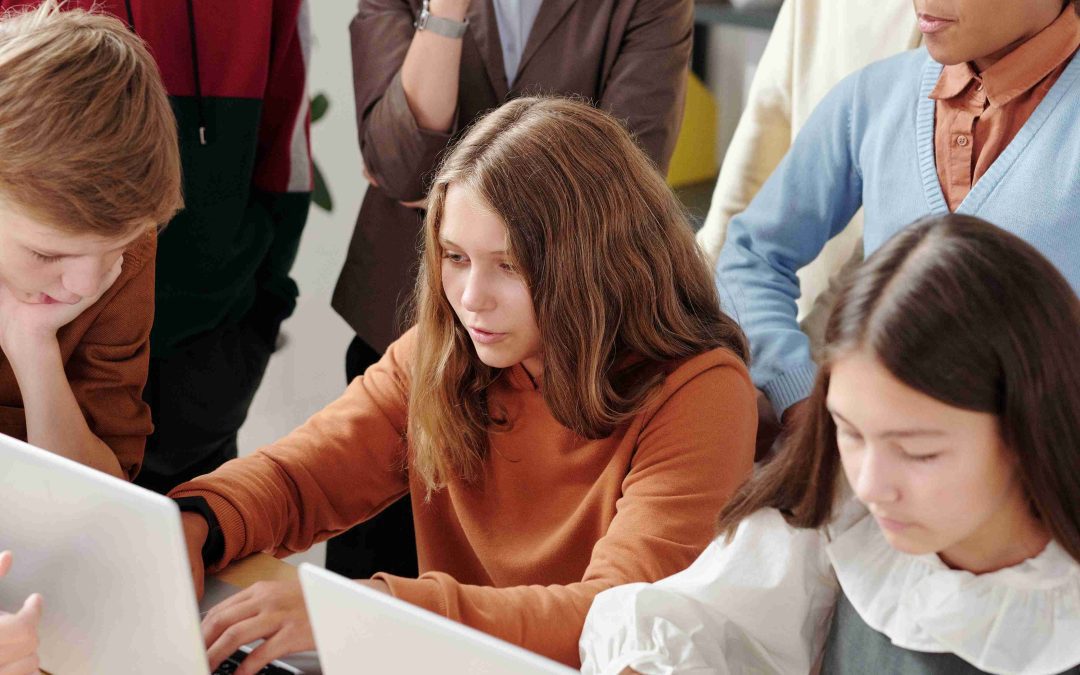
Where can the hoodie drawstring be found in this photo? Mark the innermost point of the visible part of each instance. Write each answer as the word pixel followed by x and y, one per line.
pixel 195 70
pixel 200 104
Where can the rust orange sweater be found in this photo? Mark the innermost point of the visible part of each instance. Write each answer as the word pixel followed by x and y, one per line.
pixel 557 519
pixel 106 353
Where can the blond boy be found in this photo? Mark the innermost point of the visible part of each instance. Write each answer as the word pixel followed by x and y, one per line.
pixel 89 168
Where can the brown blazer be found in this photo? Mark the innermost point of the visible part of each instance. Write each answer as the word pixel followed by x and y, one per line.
pixel 629 56
pixel 106 353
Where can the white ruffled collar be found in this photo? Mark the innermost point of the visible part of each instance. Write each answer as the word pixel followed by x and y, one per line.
pixel 1022 620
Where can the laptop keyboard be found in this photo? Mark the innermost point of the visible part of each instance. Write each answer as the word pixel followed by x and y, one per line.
pixel 230 665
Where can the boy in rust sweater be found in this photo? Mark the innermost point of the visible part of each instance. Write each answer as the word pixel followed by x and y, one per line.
pixel 89 168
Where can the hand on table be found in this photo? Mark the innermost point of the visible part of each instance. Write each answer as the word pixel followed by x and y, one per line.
pixel 18 632
pixel 270 610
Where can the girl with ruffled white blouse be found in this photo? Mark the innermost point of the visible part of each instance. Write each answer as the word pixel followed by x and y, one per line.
pixel 950 541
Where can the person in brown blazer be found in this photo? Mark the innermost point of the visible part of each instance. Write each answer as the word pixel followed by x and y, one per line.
pixel 418 88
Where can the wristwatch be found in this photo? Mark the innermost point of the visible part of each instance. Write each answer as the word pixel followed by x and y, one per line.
pixel 439 25
pixel 214 547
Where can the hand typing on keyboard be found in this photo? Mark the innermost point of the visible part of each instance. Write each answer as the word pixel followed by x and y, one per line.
pixel 273 611
pixel 268 610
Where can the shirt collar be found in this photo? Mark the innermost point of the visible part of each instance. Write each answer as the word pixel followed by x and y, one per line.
pixel 1022 619
pixel 1021 69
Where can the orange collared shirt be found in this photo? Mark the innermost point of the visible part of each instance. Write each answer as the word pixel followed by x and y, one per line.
pixel 978 114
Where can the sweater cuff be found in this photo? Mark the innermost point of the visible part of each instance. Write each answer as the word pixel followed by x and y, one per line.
pixel 426 592
pixel 790 387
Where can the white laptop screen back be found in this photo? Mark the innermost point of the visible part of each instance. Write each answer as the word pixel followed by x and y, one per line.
pixel 361 630
pixel 109 560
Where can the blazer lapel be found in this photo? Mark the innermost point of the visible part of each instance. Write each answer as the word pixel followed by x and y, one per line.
pixel 550 14
pixel 485 30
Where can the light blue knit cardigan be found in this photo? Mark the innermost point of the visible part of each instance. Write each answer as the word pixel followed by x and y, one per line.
pixel 870 143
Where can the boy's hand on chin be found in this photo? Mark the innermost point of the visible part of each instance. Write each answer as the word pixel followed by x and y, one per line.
pixel 26 326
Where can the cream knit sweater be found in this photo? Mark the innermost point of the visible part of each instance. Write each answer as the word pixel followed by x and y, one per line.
pixel 814 45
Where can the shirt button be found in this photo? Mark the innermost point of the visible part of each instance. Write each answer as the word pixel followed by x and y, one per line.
pixel 962 141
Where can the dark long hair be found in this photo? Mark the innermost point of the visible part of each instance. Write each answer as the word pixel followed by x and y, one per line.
pixel 974 317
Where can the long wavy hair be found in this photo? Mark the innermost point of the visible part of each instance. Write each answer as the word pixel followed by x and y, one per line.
pixel 974 317
pixel 620 289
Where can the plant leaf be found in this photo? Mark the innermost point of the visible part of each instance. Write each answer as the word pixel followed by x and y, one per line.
pixel 319 106
pixel 320 194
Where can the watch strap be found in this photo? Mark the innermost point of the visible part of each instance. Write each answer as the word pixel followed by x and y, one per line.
pixel 214 546
pixel 440 25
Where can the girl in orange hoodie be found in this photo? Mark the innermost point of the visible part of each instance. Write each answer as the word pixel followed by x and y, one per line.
pixel 569 413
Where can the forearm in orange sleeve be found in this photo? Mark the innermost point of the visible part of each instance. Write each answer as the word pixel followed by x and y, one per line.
pixel 340 467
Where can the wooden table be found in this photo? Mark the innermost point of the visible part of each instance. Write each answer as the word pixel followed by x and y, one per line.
pixel 257 567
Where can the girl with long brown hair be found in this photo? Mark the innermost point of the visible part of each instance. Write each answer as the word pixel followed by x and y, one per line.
pixel 569 413
pixel 923 517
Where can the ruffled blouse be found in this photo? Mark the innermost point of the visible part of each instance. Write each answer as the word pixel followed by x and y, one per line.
pixel 762 603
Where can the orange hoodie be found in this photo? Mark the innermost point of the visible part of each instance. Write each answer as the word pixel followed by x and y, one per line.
pixel 556 519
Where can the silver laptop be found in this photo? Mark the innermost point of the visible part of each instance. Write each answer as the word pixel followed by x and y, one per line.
pixel 109 559
pixel 359 629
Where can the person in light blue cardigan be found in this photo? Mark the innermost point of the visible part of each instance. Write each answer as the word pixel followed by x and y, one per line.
pixel 871 144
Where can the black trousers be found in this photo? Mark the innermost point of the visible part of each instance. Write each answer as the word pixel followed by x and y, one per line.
pixel 200 394
pixel 387 542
